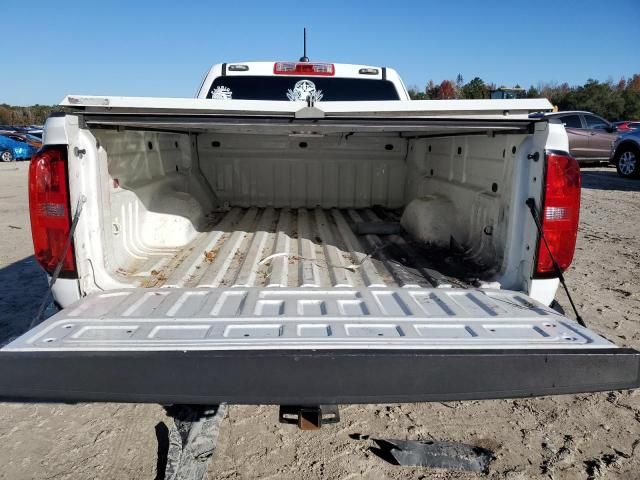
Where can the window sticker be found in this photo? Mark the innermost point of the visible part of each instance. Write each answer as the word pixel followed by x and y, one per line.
pixel 303 90
pixel 221 93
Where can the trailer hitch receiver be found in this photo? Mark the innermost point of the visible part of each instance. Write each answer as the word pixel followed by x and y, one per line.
pixel 309 417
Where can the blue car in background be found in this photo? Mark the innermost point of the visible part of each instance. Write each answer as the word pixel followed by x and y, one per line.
pixel 15 147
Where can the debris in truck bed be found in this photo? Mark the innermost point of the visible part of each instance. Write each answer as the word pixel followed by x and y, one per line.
pixel 306 247
pixel 377 228
pixel 210 255
pixel 322 264
pixel 455 263
pixel 450 266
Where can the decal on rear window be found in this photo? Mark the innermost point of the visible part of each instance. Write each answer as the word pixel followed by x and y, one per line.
pixel 221 93
pixel 303 90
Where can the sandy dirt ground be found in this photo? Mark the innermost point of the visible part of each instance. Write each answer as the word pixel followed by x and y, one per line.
pixel 566 437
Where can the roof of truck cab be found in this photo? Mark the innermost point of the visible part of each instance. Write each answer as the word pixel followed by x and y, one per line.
pixel 350 70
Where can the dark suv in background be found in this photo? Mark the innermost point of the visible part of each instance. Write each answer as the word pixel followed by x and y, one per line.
pixel 626 154
pixel 590 137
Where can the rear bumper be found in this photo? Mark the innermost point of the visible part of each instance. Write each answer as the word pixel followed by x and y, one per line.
pixel 312 377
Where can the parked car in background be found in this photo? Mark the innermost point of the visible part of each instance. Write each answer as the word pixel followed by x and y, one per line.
pixel 36 133
pixel 627 125
pixel 626 154
pixel 33 140
pixel 35 130
pixel 15 147
pixel 590 137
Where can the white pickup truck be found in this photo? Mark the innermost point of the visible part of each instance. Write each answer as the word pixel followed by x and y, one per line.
pixel 304 234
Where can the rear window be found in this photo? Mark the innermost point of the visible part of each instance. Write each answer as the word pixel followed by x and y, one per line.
pixel 571 121
pixel 299 88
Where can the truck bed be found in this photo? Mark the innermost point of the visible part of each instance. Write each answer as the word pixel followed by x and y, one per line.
pixel 272 247
pixel 304 306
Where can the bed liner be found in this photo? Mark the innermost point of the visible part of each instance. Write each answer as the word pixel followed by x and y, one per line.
pixel 283 247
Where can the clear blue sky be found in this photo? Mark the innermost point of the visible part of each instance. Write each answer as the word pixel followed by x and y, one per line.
pixel 162 48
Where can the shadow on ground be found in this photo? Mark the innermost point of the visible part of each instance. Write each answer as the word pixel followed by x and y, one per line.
pixel 608 180
pixel 22 287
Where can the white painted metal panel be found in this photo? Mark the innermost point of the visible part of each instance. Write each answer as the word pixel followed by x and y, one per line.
pixel 405 108
pixel 306 318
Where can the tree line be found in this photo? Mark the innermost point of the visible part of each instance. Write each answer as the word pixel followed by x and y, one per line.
pixel 33 115
pixel 611 100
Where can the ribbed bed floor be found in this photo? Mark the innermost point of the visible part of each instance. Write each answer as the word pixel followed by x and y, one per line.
pixel 270 247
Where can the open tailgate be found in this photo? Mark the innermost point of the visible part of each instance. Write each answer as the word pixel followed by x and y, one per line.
pixel 309 346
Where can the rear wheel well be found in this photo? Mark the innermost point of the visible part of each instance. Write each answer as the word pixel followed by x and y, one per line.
pixel 622 147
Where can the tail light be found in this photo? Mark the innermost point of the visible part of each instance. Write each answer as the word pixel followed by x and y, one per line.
pixel 560 213
pixel 304 68
pixel 49 209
